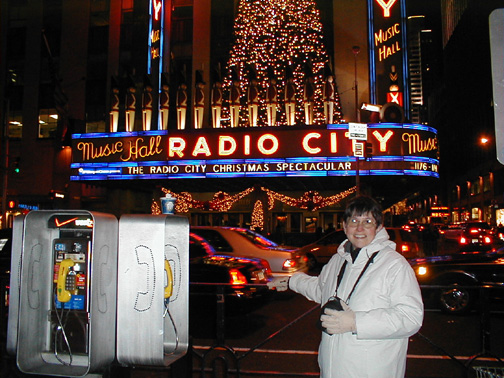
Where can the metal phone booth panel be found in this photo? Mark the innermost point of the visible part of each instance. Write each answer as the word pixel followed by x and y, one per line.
pixel 152 289
pixel 67 297
pixel 15 281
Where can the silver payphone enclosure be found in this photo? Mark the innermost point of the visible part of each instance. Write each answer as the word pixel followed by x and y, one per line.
pixel 76 337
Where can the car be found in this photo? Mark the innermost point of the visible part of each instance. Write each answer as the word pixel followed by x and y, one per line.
pixel 244 278
pixel 451 231
pixel 238 241
pixel 321 251
pixel 5 266
pixel 460 275
pixel 406 242
pixel 476 236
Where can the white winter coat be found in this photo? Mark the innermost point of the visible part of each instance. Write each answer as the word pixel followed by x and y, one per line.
pixel 388 309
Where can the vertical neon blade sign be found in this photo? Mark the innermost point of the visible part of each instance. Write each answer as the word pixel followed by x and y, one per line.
pixel 387 41
pixel 155 37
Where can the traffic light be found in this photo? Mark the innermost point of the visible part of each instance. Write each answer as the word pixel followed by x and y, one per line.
pixel 15 166
pixel 368 150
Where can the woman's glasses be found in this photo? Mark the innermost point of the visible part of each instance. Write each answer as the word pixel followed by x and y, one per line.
pixel 366 223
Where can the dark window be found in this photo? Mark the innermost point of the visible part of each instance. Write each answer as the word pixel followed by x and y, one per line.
pixel 216 240
pixel 196 249
pixel 336 237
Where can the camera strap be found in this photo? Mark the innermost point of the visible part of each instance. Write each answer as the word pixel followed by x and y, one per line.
pixel 342 271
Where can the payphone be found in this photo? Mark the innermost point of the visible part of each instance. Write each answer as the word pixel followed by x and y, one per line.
pixel 153 289
pixel 66 303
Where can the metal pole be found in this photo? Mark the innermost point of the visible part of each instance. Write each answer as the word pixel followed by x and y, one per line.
pixel 357 177
pixel 356 51
pixel 5 161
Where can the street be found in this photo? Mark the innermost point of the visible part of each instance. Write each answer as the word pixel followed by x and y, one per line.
pixel 280 339
pixel 444 345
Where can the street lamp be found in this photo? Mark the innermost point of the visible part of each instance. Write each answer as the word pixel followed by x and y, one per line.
pixel 356 51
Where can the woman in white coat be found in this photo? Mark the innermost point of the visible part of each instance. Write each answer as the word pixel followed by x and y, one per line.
pixel 381 303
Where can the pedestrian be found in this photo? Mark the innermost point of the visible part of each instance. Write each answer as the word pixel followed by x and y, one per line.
pixel 430 240
pixel 330 228
pixel 379 300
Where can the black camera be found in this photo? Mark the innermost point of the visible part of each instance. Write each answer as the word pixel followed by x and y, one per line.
pixel 333 303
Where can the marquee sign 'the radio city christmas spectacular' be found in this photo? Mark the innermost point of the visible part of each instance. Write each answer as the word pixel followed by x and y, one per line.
pixel 397 149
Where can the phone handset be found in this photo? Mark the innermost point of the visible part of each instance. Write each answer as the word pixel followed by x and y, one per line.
pixel 168 290
pixel 63 285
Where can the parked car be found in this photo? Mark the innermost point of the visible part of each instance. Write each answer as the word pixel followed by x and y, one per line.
pixel 406 242
pixel 207 267
pixel 243 242
pixel 461 274
pixel 321 251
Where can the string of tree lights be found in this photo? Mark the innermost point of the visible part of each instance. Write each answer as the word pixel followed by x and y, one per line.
pixel 263 198
pixel 279 39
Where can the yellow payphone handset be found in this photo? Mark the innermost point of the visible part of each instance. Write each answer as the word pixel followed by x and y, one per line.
pixel 168 290
pixel 65 284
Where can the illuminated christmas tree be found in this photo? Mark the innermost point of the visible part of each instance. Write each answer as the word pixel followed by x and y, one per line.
pixel 283 37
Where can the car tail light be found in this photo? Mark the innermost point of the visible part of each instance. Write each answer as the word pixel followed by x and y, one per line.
pixel 487 240
pixel 289 264
pixel 473 231
pixel 463 240
pixel 405 248
pixel 237 278
pixel 266 266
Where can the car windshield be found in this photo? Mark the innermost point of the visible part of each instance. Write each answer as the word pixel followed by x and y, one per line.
pixel 256 239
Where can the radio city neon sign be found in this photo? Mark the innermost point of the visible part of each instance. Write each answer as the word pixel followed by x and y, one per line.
pixel 382 36
pixel 386 6
pixel 155 35
pixel 247 144
pixel 156 6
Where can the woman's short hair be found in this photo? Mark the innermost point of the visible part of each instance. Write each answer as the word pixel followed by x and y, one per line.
pixel 361 205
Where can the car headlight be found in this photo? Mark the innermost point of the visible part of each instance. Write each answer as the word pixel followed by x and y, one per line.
pixel 421 270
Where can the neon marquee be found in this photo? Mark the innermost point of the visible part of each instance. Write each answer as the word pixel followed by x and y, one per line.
pixel 398 149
